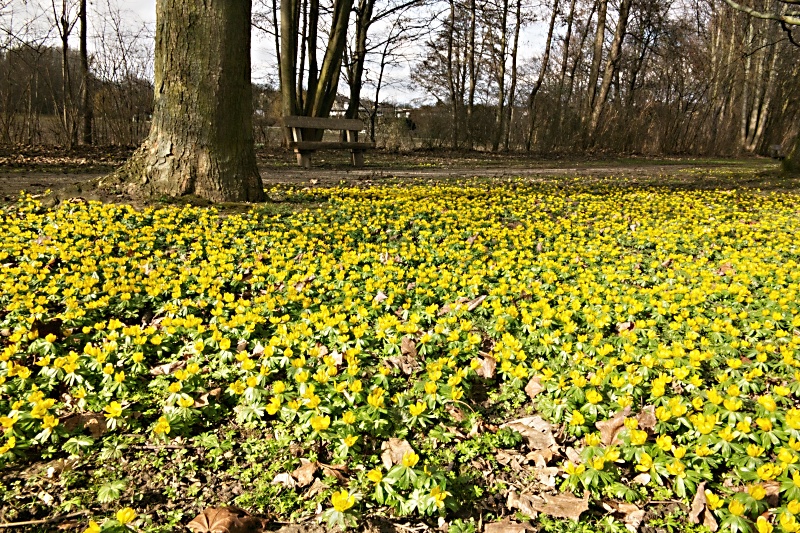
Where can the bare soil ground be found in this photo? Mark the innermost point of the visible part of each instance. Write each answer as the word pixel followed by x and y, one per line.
pixel 38 169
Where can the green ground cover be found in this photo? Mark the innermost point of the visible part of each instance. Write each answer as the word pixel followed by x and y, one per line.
pixel 465 352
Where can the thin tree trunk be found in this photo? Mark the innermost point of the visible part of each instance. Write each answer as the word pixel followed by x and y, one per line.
pixel 451 75
pixel 512 90
pixel 597 57
pixel 473 73
pixel 540 78
pixel 563 74
pixel 611 68
pixel 201 137
pixel 501 79
pixel 86 99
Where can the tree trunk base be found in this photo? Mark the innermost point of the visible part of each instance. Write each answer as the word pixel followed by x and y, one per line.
pixel 161 168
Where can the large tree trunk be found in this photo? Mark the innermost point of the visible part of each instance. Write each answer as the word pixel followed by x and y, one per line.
pixel 201 138
pixel 791 164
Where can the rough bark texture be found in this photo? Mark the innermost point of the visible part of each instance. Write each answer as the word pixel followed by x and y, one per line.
pixel 86 98
pixel 201 138
pixel 791 165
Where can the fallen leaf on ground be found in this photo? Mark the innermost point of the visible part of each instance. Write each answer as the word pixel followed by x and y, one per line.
pixel 224 520
pixel 533 387
pixel 537 432
pixel 610 429
pixel 407 347
pixel 488 365
pixel 507 526
pixel 561 505
pixel 647 417
pixel 522 503
pixel 540 458
pixel 700 513
pixel 393 451
pixel 304 474
pixel 631 515
pixel 338 471
pixel 167 368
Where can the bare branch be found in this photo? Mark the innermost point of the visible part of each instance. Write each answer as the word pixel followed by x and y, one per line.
pixel 792 19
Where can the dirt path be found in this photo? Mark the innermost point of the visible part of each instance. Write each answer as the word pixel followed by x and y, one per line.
pixel 36 178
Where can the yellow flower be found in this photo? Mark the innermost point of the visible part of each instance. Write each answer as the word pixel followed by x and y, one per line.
pixel 768 471
pixel 754 450
pixel 417 408
pixel 638 437
pixel 185 401
pixel 49 421
pixel 320 423
pixel 94 527
pixel 645 463
pixel 410 459
pixel 714 501
pixel 126 515
pixel 113 410
pixel 768 403
pixel 375 398
pixel 763 525
pixel 342 500
pixel 349 441
pixel 664 442
pixel 574 470
pixel 375 475
pixel 593 397
pixel 175 387
pixel 162 426
pixel 577 418
pixel 431 387
pixel 439 495
pixel 736 508
pixel 758 492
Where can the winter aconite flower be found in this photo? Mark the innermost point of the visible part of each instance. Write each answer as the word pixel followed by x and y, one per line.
pixel 410 459
pixel 126 515
pixel 342 500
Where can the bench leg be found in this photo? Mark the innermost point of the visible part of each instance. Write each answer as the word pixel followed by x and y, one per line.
pixel 303 159
pixel 358 158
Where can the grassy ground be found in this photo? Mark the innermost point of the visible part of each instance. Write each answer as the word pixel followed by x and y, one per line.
pixel 431 352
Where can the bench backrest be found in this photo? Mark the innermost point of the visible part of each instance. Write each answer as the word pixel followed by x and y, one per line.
pixel 320 123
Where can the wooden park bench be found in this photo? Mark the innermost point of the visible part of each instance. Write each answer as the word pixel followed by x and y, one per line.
pixel 298 126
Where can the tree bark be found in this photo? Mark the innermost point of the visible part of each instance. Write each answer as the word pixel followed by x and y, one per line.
pixel 201 138
pixel 540 78
pixel 500 115
pixel 86 96
pixel 791 165
pixel 512 90
pixel 597 56
pixel 612 64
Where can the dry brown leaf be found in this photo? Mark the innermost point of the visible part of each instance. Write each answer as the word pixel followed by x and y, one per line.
pixel 167 368
pixel 540 458
pixel 471 239
pixel 562 505
pixel 393 451
pixel 473 304
pixel 642 479
pixel 625 326
pixel 408 347
pixel 507 526
pixel 338 471
pixel 537 432
pixel 224 520
pixel 573 455
pixel 304 474
pixel 522 503
pixel 315 489
pixel 631 515
pixel 647 417
pixel 510 458
pixel 611 428
pixel 534 387
pixel 380 297
pixel 487 368
pixel 547 476
pixel 700 513
pixel 241 345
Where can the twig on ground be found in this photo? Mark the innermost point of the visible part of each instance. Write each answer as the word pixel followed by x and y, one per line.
pixel 44 520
